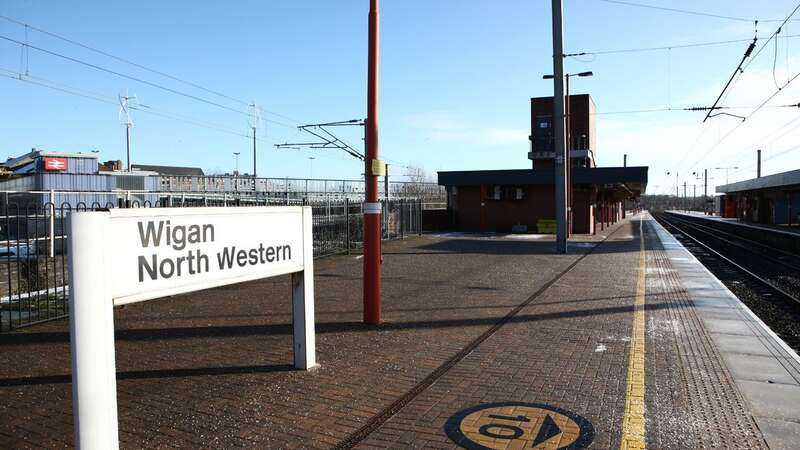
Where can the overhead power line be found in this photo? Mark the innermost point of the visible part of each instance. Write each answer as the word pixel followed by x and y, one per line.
pixel 736 71
pixel 766 158
pixel 740 71
pixel 136 79
pixel 773 136
pixel 140 66
pixel 53 85
pixel 772 36
pixel 756 110
pixel 686 11
pixel 102 98
pixel 668 47
pixel 688 108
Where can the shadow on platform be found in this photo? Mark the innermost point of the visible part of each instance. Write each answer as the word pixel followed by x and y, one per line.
pixel 222 331
pixel 149 374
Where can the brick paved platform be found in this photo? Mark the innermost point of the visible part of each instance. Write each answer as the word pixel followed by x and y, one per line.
pixel 470 320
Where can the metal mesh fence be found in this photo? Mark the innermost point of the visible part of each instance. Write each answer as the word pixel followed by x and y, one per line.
pixel 33 248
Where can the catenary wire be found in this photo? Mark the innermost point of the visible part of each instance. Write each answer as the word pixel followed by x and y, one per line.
pixel 668 47
pixel 756 110
pixel 140 66
pixel 138 80
pixel 53 85
pixel 752 58
pixel 686 11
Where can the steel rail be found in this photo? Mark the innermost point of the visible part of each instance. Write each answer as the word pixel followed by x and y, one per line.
pixel 736 265
pixel 705 229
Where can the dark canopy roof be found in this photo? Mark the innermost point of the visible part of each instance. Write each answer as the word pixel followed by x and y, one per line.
pixel 635 178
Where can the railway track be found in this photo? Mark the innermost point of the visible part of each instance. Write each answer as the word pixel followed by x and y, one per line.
pixel 766 279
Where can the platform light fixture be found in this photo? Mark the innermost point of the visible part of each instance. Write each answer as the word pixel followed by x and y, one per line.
pixel 581 74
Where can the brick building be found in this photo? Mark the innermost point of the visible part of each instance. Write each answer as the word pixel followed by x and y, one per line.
pixel 524 199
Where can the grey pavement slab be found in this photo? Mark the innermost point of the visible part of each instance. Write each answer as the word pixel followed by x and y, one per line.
pixel 764 368
pixel 780 434
pixel 728 326
pixel 773 400
pixel 741 345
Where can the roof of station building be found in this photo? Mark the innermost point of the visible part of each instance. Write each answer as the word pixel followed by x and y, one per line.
pixel 580 175
pixel 776 181
pixel 634 179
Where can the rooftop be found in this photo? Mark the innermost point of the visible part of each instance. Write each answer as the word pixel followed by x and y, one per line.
pixel 634 177
pixel 778 180
pixel 12 162
pixel 170 170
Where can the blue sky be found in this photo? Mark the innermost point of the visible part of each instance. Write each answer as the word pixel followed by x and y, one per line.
pixel 456 78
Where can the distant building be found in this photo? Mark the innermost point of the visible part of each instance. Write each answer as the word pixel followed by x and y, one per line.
pixel 170 170
pixel 38 172
pixel 75 180
pixel 771 199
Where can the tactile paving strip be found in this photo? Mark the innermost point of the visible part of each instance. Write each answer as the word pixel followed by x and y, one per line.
pixel 698 402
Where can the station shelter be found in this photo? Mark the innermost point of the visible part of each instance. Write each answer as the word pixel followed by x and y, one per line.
pixel 772 199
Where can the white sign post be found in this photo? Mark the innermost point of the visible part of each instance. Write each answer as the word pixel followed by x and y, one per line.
pixel 129 255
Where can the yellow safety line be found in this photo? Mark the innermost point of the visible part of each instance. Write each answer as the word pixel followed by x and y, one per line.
pixel 633 421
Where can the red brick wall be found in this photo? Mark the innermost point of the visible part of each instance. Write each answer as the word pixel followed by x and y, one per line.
pixel 501 215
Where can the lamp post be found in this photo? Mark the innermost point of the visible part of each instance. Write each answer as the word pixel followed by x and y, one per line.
pixel 311 167
pixel 568 160
pixel 236 157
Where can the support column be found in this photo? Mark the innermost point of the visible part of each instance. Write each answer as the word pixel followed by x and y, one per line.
pixel 372 209
pixel 558 128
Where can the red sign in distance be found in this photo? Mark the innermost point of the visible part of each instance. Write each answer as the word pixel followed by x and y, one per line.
pixel 55 164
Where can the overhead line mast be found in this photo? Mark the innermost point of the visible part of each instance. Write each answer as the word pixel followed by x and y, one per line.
pixel 561 149
pixel 254 119
pixel 124 109
pixel 373 168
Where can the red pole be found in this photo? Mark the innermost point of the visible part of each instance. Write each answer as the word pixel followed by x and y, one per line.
pixel 372 209
pixel 568 162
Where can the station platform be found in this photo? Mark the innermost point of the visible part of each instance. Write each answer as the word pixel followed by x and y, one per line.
pixel 488 342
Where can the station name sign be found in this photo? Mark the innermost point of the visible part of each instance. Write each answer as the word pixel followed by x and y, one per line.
pixel 194 248
pixel 122 256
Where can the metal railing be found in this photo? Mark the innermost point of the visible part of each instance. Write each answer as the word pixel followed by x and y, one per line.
pixel 33 249
pixel 303 187
pixel 232 185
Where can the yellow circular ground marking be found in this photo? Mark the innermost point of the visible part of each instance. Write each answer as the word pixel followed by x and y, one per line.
pixel 517 425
